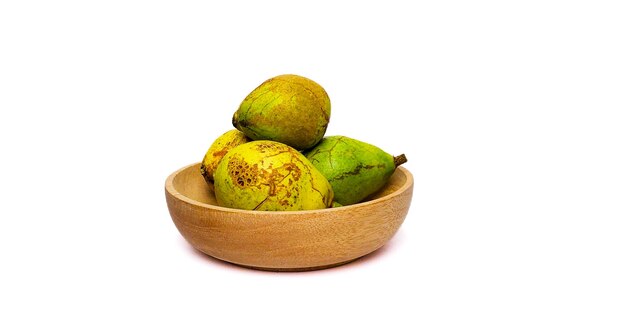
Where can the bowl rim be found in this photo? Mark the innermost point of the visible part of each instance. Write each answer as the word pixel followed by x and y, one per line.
pixel 169 187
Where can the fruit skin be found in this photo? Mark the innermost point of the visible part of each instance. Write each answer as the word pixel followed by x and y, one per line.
pixel 218 149
pixel 354 169
pixel 288 108
pixel 269 175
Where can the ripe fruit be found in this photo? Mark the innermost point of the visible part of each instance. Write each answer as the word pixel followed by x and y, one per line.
pixel 268 175
pixel 288 108
pixel 218 149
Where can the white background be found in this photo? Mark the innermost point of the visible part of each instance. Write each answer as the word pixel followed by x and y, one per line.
pixel 511 114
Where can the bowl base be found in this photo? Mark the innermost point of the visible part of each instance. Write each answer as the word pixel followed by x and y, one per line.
pixel 299 269
pixel 286 269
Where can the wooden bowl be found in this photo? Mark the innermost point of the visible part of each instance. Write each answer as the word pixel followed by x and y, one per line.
pixel 285 241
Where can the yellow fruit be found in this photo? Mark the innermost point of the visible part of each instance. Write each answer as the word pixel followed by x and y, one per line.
pixel 218 149
pixel 268 175
pixel 288 108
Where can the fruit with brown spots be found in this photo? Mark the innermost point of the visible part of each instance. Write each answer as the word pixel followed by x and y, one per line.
pixel 218 149
pixel 269 175
pixel 355 169
pixel 288 108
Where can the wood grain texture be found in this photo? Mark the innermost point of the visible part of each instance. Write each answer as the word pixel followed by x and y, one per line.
pixel 285 241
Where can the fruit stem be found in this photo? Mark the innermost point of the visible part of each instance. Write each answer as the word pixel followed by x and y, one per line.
pixel 398 160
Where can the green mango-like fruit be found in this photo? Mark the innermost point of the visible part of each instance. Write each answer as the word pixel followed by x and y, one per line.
pixel 288 108
pixel 218 149
pixel 269 175
pixel 354 169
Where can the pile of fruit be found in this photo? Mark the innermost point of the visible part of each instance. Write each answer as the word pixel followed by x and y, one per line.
pixel 278 159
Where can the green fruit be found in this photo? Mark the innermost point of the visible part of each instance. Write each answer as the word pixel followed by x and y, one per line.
pixel 218 149
pixel 336 204
pixel 354 169
pixel 288 108
pixel 269 175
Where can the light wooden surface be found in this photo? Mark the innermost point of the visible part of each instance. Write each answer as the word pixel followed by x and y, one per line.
pixel 285 241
